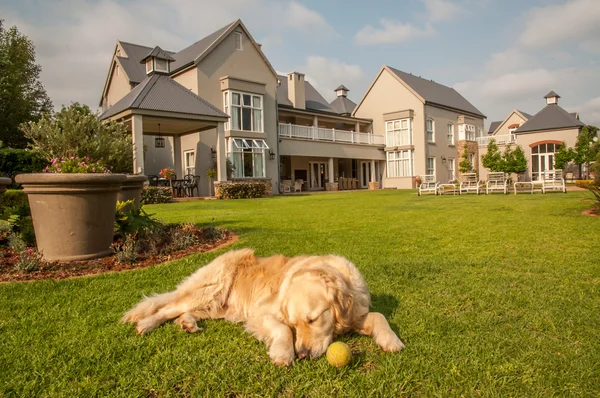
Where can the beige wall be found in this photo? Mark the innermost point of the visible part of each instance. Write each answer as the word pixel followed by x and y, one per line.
pixel 156 159
pixel 292 147
pixel 189 79
pixel 513 119
pixel 249 65
pixel 118 87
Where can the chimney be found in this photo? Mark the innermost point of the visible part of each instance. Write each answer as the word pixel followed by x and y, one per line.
pixel 341 91
pixel 296 90
pixel 552 98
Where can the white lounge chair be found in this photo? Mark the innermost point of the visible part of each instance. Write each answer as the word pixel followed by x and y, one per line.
pixel 552 180
pixel 469 183
pixel 428 185
pixel 496 182
pixel 449 187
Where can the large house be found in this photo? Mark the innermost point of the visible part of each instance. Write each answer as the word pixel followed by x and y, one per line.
pixel 540 136
pixel 220 99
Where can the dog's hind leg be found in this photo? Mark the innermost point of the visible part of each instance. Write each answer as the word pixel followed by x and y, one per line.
pixel 166 313
pixel 376 326
pixel 189 321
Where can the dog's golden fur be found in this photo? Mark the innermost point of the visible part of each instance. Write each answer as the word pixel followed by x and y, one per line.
pixel 278 298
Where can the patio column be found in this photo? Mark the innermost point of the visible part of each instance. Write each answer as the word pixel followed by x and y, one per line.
pixel 357 127
pixel 177 163
pixel 315 121
pixel 137 139
pixel 331 170
pixel 373 174
pixel 221 153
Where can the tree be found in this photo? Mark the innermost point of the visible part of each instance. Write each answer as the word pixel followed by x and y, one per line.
pixel 493 158
pixel 77 131
pixel 465 165
pixel 22 96
pixel 586 148
pixel 563 157
pixel 514 161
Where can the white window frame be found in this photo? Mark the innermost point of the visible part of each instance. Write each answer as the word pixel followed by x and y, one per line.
pixel 472 159
pixel 186 166
pixel 228 106
pixel 450 134
pixel 239 44
pixel 149 65
pixel 452 167
pixel 398 132
pixel 430 133
pixel 156 68
pixel 240 147
pixel 400 163
pixel 430 170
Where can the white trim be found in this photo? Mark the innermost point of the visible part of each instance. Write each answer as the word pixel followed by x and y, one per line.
pixel 399 163
pixel 427 131
pixel 243 147
pixel 429 171
pixel 228 107
pixel 239 40
pixel 398 132
pixel 451 138
pixel 186 166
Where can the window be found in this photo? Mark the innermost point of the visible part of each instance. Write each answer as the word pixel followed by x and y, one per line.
pixel 400 163
pixel 431 166
pixel 472 159
pixel 398 132
pixel 248 157
pixel 430 130
pixel 246 111
pixel 189 162
pixel 466 132
pixel 451 168
pixel 542 158
pixel 161 65
pixel 149 65
pixel 238 41
pixel 450 134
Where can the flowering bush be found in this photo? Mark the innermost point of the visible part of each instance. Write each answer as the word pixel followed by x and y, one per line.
pixel 75 165
pixel 151 195
pixel 241 190
pixel 418 180
pixel 167 173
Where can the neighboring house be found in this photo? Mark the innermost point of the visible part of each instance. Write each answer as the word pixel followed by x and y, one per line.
pixel 426 126
pixel 540 135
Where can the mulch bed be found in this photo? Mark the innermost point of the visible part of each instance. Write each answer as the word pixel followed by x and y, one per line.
pixel 57 270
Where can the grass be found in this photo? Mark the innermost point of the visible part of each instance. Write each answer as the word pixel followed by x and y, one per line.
pixel 492 295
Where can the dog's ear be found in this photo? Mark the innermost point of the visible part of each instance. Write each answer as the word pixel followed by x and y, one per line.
pixel 243 257
pixel 340 299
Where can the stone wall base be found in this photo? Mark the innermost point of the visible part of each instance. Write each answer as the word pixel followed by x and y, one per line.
pixel 331 186
pixel 373 186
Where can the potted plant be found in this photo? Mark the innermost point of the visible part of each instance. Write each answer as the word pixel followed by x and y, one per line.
pixel 168 174
pixel 4 182
pixel 211 173
pixel 73 208
pixel 417 181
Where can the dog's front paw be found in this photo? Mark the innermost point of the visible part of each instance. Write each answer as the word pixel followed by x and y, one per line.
pixel 391 343
pixel 188 323
pixel 146 325
pixel 281 355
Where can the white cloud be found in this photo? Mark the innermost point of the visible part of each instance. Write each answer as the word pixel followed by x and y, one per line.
pixel 326 74
pixel 301 17
pixel 391 32
pixel 573 21
pixel 442 10
pixel 516 85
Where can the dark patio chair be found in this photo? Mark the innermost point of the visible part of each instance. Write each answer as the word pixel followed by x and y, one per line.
pixel 178 188
pixel 153 180
pixel 190 182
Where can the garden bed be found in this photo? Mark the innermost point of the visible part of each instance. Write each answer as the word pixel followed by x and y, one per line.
pixel 206 239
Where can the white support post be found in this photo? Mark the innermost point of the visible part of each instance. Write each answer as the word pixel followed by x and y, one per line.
pixel 333 134
pixel 315 132
pixel 330 170
pixel 221 153
pixel 137 139
pixel 357 127
pixel 373 174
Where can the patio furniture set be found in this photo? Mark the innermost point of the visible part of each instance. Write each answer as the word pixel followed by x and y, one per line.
pixel 181 187
pixel 551 180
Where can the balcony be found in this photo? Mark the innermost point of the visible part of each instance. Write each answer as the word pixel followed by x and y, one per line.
pixel 500 139
pixel 329 135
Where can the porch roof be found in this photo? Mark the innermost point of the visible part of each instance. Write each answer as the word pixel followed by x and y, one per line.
pixel 161 93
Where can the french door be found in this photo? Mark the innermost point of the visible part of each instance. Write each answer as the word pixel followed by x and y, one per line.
pixel 318 172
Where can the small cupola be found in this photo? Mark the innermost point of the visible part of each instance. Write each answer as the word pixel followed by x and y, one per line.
pixel 551 98
pixel 157 61
pixel 341 91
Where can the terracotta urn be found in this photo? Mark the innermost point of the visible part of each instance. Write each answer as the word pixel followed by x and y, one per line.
pixel 73 214
pixel 132 189
pixel 4 182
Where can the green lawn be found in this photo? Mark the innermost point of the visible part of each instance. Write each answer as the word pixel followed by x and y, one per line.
pixel 492 295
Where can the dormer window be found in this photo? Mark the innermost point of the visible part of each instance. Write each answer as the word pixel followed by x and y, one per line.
pixel 161 65
pixel 157 61
pixel 149 67
pixel 238 41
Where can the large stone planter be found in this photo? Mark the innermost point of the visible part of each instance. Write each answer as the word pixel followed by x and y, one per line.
pixel 4 182
pixel 132 189
pixel 374 185
pixel 73 214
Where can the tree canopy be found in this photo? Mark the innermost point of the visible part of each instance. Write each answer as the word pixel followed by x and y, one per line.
pixel 22 95
pixel 465 165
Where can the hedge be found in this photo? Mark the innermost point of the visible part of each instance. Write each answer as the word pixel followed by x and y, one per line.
pixel 241 190
pixel 17 161
pixel 153 195
pixel 12 198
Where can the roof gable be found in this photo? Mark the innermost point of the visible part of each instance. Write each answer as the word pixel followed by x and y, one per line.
pixel 551 117
pixel 435 93
pixel 494 126
pixel 342 105
pixel 522 115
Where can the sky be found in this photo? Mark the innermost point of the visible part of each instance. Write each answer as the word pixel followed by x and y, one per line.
pixel 499 54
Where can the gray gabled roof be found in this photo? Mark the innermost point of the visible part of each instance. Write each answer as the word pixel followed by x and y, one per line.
pixel 551 94
pixel 341 87
pixel 527 115
pixel 187 56
pixel 494 126
pixel 436 93
pixel 135 53
pixel 551 117
pixel 161 93
pixel 342 105
pixel 314 100
pixel 159 53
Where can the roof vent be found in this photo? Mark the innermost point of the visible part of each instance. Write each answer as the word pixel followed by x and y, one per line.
pixel 552 98
pixel 341 91
pixel 157 61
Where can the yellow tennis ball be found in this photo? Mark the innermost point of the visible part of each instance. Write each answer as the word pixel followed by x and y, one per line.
pixel 339 354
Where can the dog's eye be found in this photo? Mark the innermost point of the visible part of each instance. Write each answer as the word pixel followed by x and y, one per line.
pixel 311 321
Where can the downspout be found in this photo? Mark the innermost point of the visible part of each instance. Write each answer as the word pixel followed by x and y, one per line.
pixel 277 136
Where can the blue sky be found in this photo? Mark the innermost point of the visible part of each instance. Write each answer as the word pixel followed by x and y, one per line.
pixel 499 54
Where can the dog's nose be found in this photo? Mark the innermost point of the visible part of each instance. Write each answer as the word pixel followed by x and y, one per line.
pixel 303 353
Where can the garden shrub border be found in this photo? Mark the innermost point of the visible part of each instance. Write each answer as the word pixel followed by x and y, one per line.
pixel 155 195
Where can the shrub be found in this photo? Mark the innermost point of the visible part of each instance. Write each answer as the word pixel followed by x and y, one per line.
pixel 242 190
pixel 133 221
pixel 126 253
pixel 16 243
pixel 152 195
pixel 13 199
pixel 17 161
pixel 29 261
pixel 183 237
pixel 594 188
pixel 75 165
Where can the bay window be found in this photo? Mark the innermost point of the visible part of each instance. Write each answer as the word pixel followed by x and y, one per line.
pixel 398 132
pixel 245 111
pixel 248 157
pixel 400 163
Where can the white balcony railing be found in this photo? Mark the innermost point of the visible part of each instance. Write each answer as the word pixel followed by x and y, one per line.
pixel 500 139
pixel 331 135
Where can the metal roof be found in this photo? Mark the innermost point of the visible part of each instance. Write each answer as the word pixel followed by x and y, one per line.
pixel 551 117
pixel 161 93
pixel 341 87
pixel 527 115
pixel 342 105
pixel 494 126
pixel 157 52
pixel 551 94
pixel 314 100
pixel 436 93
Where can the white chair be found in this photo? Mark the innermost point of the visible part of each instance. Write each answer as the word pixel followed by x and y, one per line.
pixel 449 187
pixel 298 185
pixel 469 183
pixel 496 182
pixel 552 180
pixel 428 185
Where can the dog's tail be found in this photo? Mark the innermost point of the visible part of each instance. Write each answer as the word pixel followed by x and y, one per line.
pixel 148 307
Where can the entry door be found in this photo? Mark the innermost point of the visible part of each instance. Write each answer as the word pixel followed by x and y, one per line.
pixel 545 162
pixel 365 174
pixel 318 171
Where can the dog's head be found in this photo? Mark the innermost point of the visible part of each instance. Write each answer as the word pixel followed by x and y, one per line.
pixel 317 305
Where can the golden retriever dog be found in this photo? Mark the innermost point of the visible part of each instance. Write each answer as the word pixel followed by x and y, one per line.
pixel 296 306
